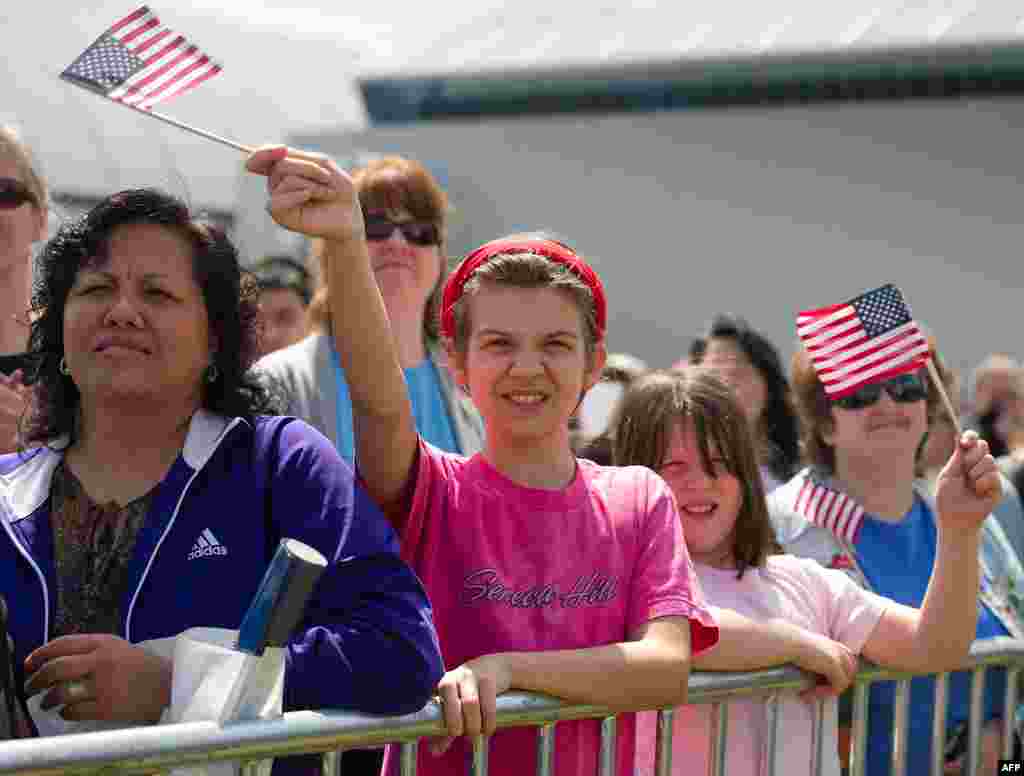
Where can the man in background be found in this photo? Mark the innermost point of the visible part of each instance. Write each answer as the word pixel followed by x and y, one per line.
pixel 285 291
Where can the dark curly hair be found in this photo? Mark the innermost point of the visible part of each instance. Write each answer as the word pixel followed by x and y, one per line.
pixel 229 294
pixel 779 425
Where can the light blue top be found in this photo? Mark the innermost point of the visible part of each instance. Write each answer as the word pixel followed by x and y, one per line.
pixel 429 409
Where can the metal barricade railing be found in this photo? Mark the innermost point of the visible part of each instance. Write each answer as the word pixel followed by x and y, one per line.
pixel 154 749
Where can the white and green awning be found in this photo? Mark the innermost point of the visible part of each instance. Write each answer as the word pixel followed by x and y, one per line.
pixel 533 57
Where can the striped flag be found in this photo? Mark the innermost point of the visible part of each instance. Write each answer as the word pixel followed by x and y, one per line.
pixel 836 512
pixel 868 339
pixel 140 62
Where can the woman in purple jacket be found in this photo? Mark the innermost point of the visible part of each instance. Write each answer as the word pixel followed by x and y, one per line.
pixel 152 488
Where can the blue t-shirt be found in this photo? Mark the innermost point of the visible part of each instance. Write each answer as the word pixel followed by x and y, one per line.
pixel 897 560
pixel 429 409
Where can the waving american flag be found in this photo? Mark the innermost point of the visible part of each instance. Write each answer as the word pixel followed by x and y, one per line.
pixel 865 340
pixel 140 62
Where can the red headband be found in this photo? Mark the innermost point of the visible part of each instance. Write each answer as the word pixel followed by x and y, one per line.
pixel 549 249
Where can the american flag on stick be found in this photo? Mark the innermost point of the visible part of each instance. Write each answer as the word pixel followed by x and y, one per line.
pixel 866 340
pixel 140 62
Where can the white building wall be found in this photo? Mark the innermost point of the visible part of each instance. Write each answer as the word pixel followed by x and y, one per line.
pixel 761 211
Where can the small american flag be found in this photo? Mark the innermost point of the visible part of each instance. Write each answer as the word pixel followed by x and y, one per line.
pixel 834 511
pixel 868 339
pixel 140 62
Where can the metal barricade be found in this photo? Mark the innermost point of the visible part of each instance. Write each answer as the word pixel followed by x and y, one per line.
pixel 156 749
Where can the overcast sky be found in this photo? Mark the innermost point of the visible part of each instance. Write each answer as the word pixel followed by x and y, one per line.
pixel 281 73
pixel 286 69
pixel 289 67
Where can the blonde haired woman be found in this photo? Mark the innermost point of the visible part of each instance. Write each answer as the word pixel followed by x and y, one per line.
pixel 24 205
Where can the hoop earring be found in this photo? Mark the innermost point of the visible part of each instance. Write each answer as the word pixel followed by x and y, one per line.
pixel 212 374
pixel 63 367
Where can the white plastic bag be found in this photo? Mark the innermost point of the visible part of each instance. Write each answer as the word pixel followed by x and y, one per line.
pixel 206 670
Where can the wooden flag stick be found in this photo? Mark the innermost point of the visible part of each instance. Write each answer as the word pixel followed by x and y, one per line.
pixel 195 130
pixel 937 382
pixel 294 154
pixel 162 117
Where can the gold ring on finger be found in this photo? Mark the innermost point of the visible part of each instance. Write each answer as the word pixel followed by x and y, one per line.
pixel 76 691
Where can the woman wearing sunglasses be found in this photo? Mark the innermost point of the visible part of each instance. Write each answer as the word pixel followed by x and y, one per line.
pixel 23 215
pixel 859 506
pixel 405 214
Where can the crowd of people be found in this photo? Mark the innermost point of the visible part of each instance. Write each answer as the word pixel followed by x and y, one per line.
pixel 425 428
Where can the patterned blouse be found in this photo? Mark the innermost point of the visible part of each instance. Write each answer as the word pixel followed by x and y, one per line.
pixel 93 545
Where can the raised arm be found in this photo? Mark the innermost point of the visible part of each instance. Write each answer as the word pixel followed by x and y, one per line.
pixel 309 194
pixel 937 636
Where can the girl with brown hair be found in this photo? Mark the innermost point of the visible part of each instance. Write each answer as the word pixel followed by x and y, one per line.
pixel 690 428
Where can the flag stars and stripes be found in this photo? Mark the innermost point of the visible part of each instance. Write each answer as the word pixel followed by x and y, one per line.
pixel 138 62
pixel 106 64
pixel 871 338
pixel 881 311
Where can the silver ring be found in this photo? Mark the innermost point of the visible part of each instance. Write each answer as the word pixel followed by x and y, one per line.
pixel 76 691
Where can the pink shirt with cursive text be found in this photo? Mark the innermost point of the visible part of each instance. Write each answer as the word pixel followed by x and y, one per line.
pixel 510 568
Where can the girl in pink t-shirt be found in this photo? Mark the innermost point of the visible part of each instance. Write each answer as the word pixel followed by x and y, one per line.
pixel 689 427
pixel 547 573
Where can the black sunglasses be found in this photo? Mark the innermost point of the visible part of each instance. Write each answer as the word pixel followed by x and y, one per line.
pixel 14 193
pixel 416 232
pixel 904 389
